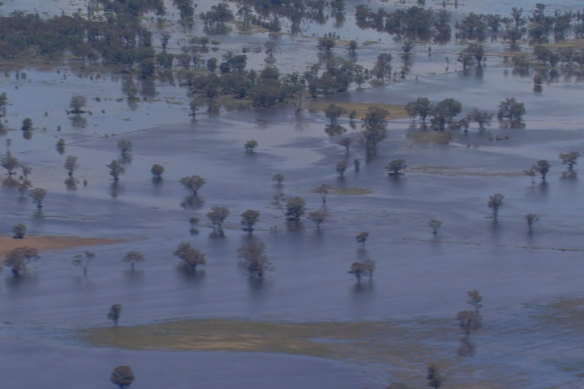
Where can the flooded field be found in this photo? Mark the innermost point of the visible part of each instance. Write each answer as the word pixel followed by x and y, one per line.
pixel 307 322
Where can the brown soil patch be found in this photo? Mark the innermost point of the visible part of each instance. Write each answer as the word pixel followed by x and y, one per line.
pixel 51 243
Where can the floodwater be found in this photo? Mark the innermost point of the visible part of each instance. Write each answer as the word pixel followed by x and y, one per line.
pixel 419 277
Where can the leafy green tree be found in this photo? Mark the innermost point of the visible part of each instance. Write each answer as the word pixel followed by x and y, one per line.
pixel 193 183
pixel 38 196
pixel 84 260
pixel 71 165
pixel 495 202
pixel 248 220
pixel 295 208
pixel 17 259
pixel 395 167
pixel 122 376
pixel 191 257
pixel 133 257
pixel 157 170
pixel 542 167
pixel 115 313
pixel 217 217
pixel 19 230
pixel 116 169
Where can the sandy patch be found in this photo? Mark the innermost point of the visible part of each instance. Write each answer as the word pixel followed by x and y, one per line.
pixel 51 243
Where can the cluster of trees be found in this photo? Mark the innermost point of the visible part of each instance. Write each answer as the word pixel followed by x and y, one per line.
pixel 442 114
pixel 413 23
pixel 418 23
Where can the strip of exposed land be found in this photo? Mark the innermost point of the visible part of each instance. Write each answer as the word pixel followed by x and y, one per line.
pixel 51 243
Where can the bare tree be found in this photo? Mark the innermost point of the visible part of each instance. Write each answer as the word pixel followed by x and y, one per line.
pixel 84 260
pixel 341 167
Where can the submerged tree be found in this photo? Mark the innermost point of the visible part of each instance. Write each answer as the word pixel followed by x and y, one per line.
pixel 278 178
pixel 569 159
pixel 362 269
pixel 116 170
pixel 17 259
pixel 362 238
pixel 10 163
pixel 295 208
pixel 193 183
pixel 250 145
pixel 531 219
pixel 133 257
pixel 435 225
pixel 395 167
pixel 317 217
pixel 19 230
pixel 38 196
pixel 323 191
pixel 217 216
pixel 122 376
pixel 541 167
pixel 115 313
pixel 341 168
pixel 157 170
pixel 191 257
pixel 71 165
pixel 248 220
pixel 256 261
pixel 84 260
pixel 77 104
pixel 125 147
pixel 510 113
pixel 433 376
pixel 495 202
pixel 374 129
